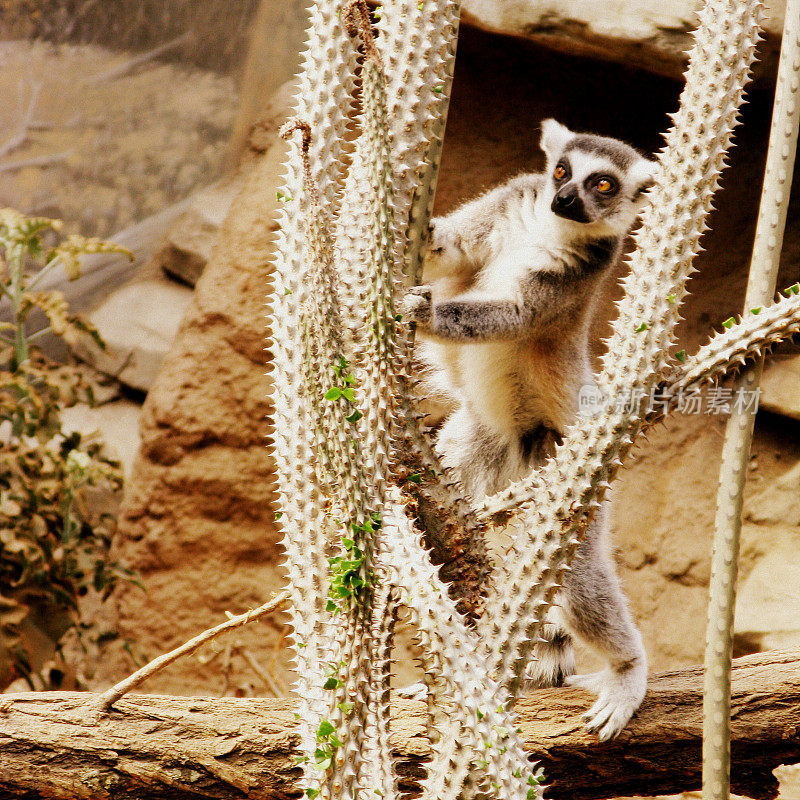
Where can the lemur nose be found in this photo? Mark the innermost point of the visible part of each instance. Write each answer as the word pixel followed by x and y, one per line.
pixel 564 198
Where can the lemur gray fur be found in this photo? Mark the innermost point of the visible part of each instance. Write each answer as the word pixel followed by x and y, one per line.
pixel 511 280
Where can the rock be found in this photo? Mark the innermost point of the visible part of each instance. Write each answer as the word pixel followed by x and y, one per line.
pixel 780 386
pixel 117 423
pixel 188 248
pixel 138 323
pixel 778 503
pixel 789 777
pixel 197 523
pixel 768 602
pixel 650 34
pixel 189 242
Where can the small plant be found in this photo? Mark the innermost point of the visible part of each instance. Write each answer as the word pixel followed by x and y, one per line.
pixel 53 545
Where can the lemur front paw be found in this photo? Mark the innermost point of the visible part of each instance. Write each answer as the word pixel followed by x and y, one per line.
pixel 416 305
pixel 619 694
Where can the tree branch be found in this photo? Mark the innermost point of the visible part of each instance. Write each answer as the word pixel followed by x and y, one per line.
pixel 156 747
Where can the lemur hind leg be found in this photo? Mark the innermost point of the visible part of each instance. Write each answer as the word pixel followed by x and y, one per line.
pixel 482 460
pixel 485 462
pixel 552 661
pixel 597 612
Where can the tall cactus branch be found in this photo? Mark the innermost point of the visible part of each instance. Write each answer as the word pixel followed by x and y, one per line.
pixel 368 257
pixel 348 644
pixel 481 734
pixel 420 39
pixel 323 100
pixel 739 429
pixel 372 183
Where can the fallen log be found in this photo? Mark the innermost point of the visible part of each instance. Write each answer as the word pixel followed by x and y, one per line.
pixel 153 747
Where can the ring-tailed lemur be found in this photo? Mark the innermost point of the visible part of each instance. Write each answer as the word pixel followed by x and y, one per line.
pixel 512 279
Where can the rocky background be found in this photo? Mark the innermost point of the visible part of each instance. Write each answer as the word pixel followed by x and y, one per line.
pixel 208 33
pixel 197 521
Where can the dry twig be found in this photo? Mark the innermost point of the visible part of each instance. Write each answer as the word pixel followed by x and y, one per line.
pixel 134 63
pixel 107 699
pixel 36 161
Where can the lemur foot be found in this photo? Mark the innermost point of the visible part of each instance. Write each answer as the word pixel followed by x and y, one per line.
pixel 416 305
pixel 619 694
pixel 552 664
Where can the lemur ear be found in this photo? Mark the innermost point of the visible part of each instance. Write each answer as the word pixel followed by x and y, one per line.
pixel 643 174
pixel 554 137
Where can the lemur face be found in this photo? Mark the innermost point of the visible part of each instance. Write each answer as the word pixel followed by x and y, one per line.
pixel 594 179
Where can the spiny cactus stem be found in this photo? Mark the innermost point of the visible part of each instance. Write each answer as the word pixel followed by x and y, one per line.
pixel 303 261
pixel 320 338
pixel 384 619
pixel 425 194
pixel 743 342
pixel 739 430
pixel 480 704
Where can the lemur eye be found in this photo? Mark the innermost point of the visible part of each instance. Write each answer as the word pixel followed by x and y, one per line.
pixel 605 185
pixel 559 172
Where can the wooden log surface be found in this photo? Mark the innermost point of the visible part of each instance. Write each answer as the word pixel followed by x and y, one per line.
pixel 157 747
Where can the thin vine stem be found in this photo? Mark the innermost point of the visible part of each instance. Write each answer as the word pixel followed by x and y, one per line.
pixel 16 266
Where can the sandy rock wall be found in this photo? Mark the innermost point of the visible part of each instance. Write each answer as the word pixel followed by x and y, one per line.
pixel 218 30
pixel 102 150
pixel 197 522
